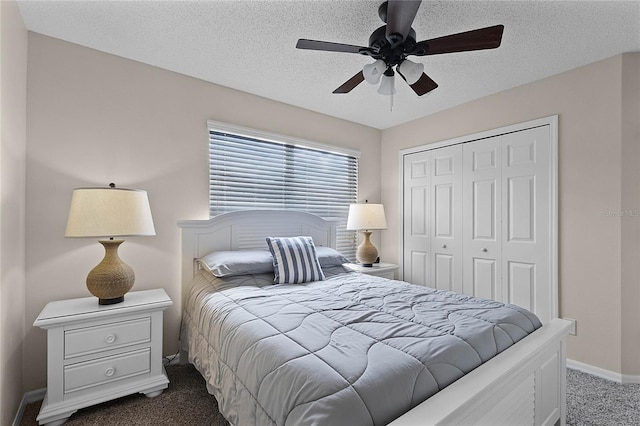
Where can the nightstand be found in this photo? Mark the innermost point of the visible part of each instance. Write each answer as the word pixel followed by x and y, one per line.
pixel 96 353
pixel 384 270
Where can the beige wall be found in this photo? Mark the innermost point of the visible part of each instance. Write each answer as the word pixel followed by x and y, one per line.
pixel 13 116
pixel 588 101
pixel 630 161
pixel 95 118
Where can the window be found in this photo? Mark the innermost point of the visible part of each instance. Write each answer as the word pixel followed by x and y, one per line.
pixel 256 170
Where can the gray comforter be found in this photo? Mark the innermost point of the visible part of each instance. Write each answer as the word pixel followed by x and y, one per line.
pixel 351 350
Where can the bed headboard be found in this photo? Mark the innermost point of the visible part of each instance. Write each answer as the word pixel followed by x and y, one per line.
pixel 244 230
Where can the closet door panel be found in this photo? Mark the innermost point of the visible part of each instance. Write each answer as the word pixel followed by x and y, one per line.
pixel 444 270
pixel 416 232
pixel 526 219
pixel 521 284
pixel 443 198
pixel 484 216
pixel 482 200
pixel 485 278
pixel 419 268
pixel 521 208
pixel 446 218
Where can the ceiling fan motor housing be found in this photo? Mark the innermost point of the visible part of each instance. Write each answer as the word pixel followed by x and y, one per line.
pixel 381 48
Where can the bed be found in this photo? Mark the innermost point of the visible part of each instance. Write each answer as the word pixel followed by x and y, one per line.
pixel 266 348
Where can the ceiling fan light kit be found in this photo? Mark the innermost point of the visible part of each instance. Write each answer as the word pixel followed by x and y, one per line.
pixel 387 86
pixel 392 43
pixel 373 72
pixel 411 71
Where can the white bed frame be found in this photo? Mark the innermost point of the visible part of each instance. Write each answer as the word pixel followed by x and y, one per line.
pixel 524 385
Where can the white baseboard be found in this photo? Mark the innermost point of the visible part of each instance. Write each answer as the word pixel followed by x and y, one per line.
pixel 601 372
pixel 631 379
pixel 28 398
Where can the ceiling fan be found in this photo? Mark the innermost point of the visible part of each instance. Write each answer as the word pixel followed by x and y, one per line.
pixel 391 44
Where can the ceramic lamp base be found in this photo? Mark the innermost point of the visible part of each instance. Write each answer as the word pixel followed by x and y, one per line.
pixel 111 279
pixel 366 253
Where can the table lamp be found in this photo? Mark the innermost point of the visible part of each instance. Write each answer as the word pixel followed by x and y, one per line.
pixel 366 217
pixel 109 212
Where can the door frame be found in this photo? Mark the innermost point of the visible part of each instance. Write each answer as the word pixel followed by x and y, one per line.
pixel 552 122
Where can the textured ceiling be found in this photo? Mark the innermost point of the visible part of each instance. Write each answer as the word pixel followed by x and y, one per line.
pixel 250 45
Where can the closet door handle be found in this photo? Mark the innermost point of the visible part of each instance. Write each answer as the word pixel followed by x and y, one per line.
pixel 444 246
pixel 484 250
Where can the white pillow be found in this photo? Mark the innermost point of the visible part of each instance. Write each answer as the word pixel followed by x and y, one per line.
pixel 237 262
pixel 330 257
pixel 295 260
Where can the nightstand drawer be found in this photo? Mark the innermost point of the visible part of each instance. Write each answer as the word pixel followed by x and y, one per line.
pixel 104 370
pixel 88 340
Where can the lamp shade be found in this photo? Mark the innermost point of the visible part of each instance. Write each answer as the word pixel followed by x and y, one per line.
pixel 373 72
pixel 387 86
pixel 411 71
pixel 366 216
pixel 109 212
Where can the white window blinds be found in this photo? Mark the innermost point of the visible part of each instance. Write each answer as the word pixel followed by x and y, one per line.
pixel 250 173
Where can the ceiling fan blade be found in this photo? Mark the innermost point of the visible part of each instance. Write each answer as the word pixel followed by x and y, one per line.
pixel 327 46
pixel 351 83
pixel 424 84
pixel 400 16
pixel 483 38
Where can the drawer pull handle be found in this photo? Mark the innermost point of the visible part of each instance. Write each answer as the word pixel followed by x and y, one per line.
pixel 110 338
pixel 109 371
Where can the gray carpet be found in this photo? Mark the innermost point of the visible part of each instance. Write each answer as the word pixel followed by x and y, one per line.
pixel 595 401
pixel 590 401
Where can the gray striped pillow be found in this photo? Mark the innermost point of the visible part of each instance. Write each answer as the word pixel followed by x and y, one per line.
pixel 294 260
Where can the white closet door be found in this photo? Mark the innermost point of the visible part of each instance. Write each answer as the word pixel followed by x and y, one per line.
pixel 416 219
pixel 497 189
pixel 526 220
pixel 482 205
pixel 446 218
